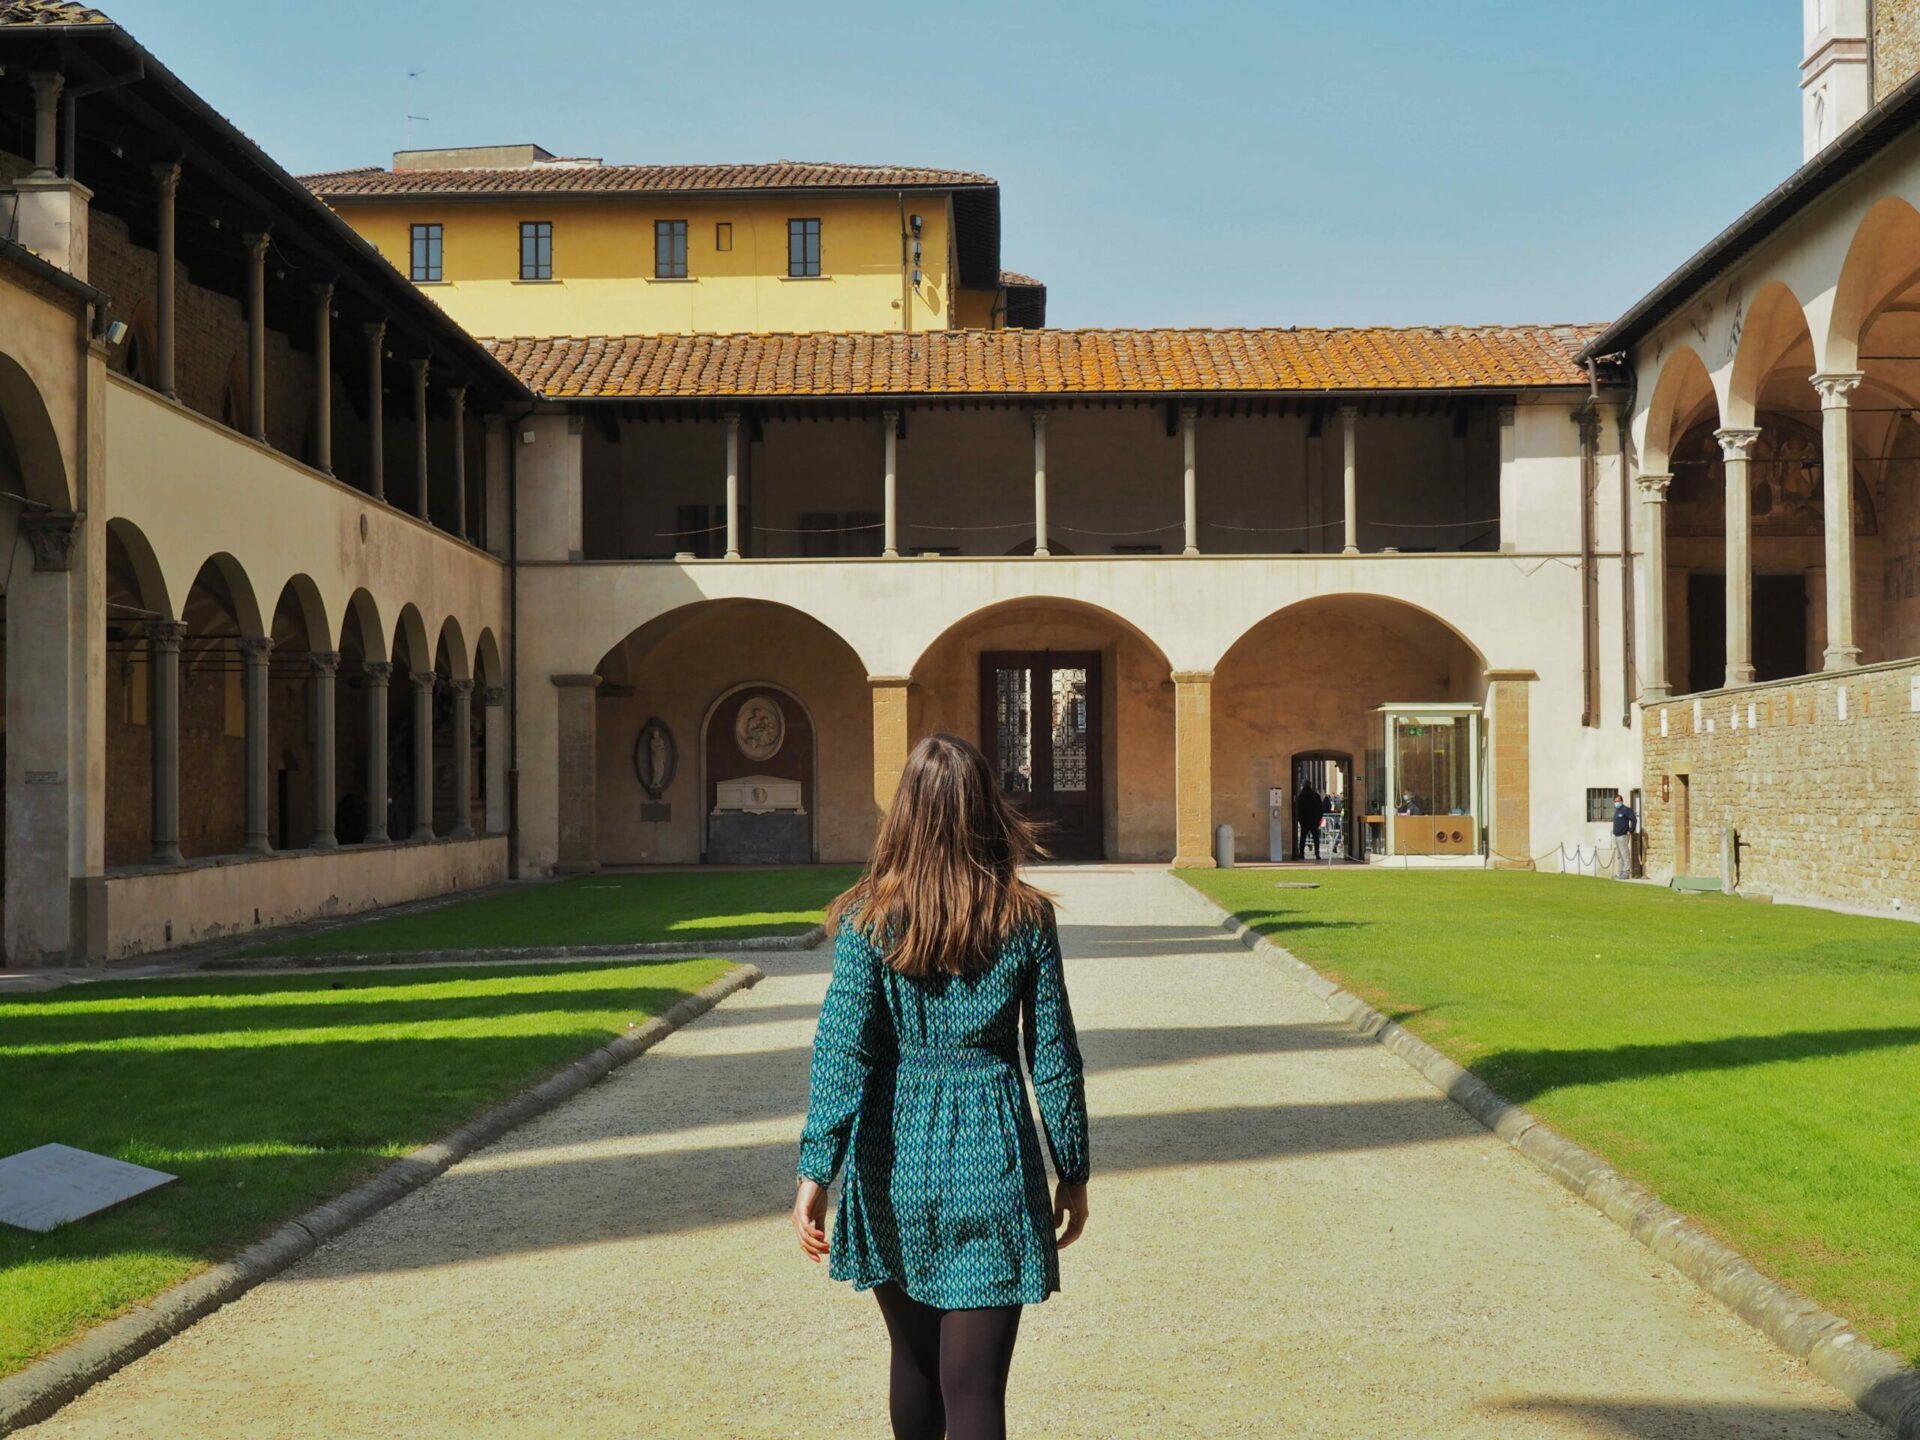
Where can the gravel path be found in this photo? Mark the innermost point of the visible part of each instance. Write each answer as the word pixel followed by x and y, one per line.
pixel 1292 1236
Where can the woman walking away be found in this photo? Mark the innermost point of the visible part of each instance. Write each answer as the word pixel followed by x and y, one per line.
pixel 941 949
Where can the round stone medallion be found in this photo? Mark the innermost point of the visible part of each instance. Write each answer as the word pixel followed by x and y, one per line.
pixel 760 728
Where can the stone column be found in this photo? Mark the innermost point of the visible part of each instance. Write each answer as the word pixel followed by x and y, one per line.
pixel 890 738
pixel 733 485
pixel 1836 415
pixel 1349 448
pixel 256 653
pixel 47 85
pixel 457 397
pixel 462 760
pixel 257 335
pixel 423 683
pixel 46 761
pixel 323 666
pixel 1040 484
pixel 166 187
pixel 1737 447
pixel 1654 685
pixel 1193 769
pixel 164 644
pixel 376 400
pixel 323 377
pixel 1510 758
pixel 577 775
pixel 379 672
pixel 493 703
pixel 1509 478
pixel 421 507
pixel 1189 416
pixel 890 420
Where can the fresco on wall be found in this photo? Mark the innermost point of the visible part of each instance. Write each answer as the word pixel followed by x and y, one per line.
pixel 1786 492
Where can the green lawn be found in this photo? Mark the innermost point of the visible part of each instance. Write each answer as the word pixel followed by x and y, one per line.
pixel 699 906
pixel 1758 1066
pixel 267 1095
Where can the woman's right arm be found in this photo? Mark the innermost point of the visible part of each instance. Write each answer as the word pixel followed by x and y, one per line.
pixel 846 1046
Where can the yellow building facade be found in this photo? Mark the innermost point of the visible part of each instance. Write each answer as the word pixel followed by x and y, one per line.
pixel 512 241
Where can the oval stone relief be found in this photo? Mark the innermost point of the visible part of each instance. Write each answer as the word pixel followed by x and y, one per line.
pixel 760 728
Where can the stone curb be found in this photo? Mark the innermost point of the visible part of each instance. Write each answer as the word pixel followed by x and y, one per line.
pixel 42 1388
pixel 1879 1382
pixel 807 940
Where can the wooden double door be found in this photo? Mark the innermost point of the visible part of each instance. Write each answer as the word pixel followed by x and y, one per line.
pixel 1040 726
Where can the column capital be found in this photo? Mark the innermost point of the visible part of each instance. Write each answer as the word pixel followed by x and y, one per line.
pixel 257 649
pixel 458 394
pixel 166 177
pixel 166 635
pixel 1193 677
pixel 379 672
pixel 47 84
pixel 322 290
pixel 1736 444
pixel 889 682
pixel 52 534
pixel 890 415
pixel 493 696
pixel 1349 410
pixel 424 682
pixel 577 682
pixel 461 687
pixel 1653 488
pixel 1039 418
pixel 376 330
pixel 257 242
pixel 324 662
pixel 732 417
pixel 1835 386
pixel 1504 414
pixel 1189 412
pixel 421 364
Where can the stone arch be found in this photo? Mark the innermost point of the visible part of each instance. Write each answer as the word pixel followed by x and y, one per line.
pixel 1096 613
pixel 137 608
pixel 299 629
pixel 1773 332
pixel 1883 261
pixel 452 652
pixel 797 760
pixel 487 666
pixel 410 645
pixel 362 618
pixel 362 643
pixel 410 772
pixel 34 444
pixel 218 613
pixel 1682 391
pixel 144 583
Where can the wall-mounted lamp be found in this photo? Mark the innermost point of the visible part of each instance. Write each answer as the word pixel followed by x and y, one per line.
pixel 913 223
pixel 1665 783
pixel 916 277
pixel 114 332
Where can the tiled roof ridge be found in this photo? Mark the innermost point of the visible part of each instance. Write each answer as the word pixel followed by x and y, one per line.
pixel 49 12
pixel 663 336
pixel 763 174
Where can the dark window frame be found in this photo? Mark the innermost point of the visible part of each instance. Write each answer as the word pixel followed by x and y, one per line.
pixel 670 250
pixel 426 252
pixel 804 263
pixel 540 265
pixel 722 236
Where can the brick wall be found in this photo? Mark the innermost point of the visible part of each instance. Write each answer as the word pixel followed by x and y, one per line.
pixel 1820 776
pixel 1896 44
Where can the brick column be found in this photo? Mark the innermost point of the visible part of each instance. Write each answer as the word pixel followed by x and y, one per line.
pixel 890 736
pixel 379 672
pixel 462 760
pixel 1190 484
pixel 323 377
pixel 1193 769
pixel 257 335
pixel 1509 755
pixel 423 683
pixel 1737 447
pixel 166 186
pixel 577 774
pixel 376 404
pixel 323 666
pixel 1655 685
pixel 1350 476
pixel 256 654
pixel 164 644
pixel 1836 468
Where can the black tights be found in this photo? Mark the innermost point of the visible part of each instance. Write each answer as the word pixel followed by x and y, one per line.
pixel 949 1368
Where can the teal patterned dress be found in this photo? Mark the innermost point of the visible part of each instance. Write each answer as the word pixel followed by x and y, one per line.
pixel 917 1091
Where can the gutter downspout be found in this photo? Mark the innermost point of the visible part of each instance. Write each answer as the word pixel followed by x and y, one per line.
pixel 513 646
pixel 1588 419
pixel 906 265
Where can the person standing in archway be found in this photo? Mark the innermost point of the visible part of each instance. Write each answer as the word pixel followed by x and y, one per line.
pixel 943 954
pixel 1308 811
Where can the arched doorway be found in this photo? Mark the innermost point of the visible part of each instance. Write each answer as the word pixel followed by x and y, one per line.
pixel 1330 836
pixel 757 785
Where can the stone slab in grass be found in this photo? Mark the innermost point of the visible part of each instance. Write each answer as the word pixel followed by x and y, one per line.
pixel 53 1185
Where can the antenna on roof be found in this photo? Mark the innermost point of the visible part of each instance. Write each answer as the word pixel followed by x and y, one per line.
pixel 412 75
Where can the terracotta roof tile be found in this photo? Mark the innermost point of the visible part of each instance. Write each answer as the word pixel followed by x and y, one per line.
pixel 1048 362
pixel 48 12
pixel 561 178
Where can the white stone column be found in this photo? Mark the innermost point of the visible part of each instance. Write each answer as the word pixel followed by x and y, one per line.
pixel 421 499
pixel 1509 482
pixel 733 485
pixel 890 420
pixel 379 673
pixel 1737 447
pixel 163 638
pixel 493 702
pixel 1836 469
pixel 457 396
pixel 1040 484
pixel 323 377
pixel 47 85
pixel 256 653
pixel 423 683
pixel 1190 485
pixel 1654 684
pixel 462 760
pixel 257 335
pixel 1350 490
pixel 166 187
pixel 376 404
pixel 323 666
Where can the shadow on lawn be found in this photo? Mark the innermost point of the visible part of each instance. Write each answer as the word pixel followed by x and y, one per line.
pixel 1275 923
pixel 1706 1420
pixel 1521 1075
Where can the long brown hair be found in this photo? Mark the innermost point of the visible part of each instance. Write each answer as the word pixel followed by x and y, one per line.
pixel 943 893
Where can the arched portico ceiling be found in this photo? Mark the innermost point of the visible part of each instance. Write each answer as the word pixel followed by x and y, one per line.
pixel 1361 608
pixel 410 642
pixel 362 618
pixel 1775 361
pixel 133 567
pixel 221 591
pixel 1082 610
pixel 451 651
pixel 300 616
pixel 1881 270
pixel 1682 391
pixel 487 667
pixel 43 469
pixel 643 638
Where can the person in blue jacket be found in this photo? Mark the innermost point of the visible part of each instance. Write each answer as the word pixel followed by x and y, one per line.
pixel 942 955
pixel 1626 825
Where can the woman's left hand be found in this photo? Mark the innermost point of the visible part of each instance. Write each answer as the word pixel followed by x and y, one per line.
pixel 810 1219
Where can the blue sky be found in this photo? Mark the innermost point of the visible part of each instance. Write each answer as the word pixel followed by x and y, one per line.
pixel 1202 163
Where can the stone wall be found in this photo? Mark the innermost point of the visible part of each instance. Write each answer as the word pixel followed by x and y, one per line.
pixel 1896 44
pixel 1820 776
